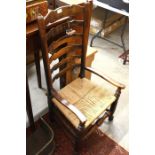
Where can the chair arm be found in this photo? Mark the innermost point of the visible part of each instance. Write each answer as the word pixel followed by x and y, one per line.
pixel 82 118
pixel 111 81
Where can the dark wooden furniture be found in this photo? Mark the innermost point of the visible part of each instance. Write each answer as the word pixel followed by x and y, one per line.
pixel 29 107
pixel 33 48
pixel 33 44
pixel 34 8
pixel 81 106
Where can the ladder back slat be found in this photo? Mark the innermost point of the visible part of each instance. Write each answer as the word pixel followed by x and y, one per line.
pixel 63 51
pixel 64 61
pixel 62 72
pixel 66 39
pixel 63 25
pixel 64 11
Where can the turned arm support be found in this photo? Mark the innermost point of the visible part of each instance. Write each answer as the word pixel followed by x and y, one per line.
pixel 82 118
pixel 111 81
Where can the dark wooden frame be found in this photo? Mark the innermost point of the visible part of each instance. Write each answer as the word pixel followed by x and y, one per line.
pixel 47 23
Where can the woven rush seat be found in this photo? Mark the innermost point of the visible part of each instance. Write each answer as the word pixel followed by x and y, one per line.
pixel 91 99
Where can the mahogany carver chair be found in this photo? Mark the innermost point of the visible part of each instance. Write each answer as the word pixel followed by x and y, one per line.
pixel 80 106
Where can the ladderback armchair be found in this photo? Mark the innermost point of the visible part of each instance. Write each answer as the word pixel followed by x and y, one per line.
pixel 82 105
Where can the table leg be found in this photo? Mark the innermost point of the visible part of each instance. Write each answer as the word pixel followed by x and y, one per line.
pixel 29 107
pixel 103 27
pixel 126 52
pixel 37 64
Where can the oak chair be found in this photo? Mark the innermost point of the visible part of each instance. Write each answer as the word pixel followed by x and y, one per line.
pixel 80 106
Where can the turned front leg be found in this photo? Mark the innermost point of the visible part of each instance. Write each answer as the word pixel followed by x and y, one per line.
pixel 114 104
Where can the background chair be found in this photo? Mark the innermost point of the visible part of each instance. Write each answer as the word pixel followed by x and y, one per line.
pixel 80 106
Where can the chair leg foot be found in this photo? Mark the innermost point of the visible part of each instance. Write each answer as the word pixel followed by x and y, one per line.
pixel 111 118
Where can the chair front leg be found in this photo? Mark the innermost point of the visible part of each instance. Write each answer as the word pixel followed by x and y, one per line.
pixel 114 104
